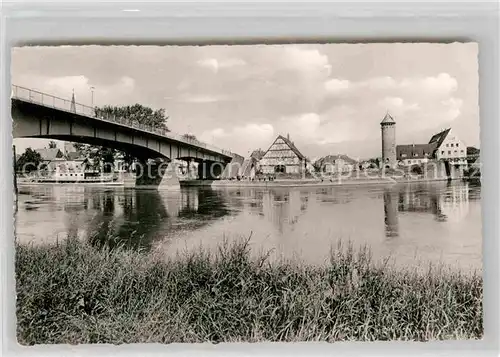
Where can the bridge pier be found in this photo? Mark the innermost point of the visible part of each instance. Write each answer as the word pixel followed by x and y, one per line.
pixel 153 175
pixel 210 170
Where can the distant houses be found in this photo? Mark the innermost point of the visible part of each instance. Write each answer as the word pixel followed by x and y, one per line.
pixel 336 164
pixel 51 158
pixel 54 160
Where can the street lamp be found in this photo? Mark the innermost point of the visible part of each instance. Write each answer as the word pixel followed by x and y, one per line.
pixel 92 98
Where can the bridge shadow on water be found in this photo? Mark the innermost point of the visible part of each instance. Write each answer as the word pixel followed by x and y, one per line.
pixel 134 219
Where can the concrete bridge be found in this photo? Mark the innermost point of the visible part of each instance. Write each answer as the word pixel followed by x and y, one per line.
pixel 41 115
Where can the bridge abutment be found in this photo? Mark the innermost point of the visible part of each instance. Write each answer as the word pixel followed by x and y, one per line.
pixel 210 170
pixel 155 175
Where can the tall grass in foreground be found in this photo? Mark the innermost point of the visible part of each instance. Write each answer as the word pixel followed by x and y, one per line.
pixel 73 293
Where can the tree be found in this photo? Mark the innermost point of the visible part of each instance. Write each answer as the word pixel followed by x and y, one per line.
pixel 29 161
pixel 190 137
pixel 137 113
pixel 258 154
pixel 317 165
pixel 52 144
pixel 471 150
pixel 417 170
pixel 79 147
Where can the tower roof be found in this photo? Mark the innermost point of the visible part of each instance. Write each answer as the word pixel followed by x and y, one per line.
pixel 388 119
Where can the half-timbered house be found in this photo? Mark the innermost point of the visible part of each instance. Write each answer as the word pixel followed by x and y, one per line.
pixel 283 157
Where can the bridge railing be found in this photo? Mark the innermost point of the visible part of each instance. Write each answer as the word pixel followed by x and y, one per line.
pixel 52 101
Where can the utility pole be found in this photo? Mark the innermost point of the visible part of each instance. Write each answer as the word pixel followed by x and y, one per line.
pixel 92 95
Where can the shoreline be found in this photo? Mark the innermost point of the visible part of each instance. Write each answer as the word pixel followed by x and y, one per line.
pixel 307 183
pixel 257 184
pixel 102 184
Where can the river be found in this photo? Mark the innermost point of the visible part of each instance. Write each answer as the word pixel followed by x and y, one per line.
pixel 413 224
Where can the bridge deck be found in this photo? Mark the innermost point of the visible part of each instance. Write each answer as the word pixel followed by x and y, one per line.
pixel 51 101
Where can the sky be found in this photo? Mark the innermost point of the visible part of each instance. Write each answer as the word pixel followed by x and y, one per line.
pixel 330 98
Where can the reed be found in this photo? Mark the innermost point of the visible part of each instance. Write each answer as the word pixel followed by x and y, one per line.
pixel 74 293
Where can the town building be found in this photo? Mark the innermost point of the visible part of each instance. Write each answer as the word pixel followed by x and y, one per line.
pixel 336 164
pixel 283 157
pixel 413 154
pixel 51 157
pixel 445 146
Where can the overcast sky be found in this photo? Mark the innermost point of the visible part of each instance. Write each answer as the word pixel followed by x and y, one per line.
pixel 329 98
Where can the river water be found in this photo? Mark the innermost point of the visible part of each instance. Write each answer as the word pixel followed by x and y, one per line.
pixel 413 224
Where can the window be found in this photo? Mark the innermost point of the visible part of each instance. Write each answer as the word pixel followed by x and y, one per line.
pixel 462 151
pixel 71 174
pixel 447 145
pixel 442 152
pixel 403 155
pixel 455 151
pixel 415 155
pixel 449 152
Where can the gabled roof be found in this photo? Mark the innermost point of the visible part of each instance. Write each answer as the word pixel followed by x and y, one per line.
pixel 388 119
pixel 290 145
pixel 437 139
pixel 50 154
pixel 414 151
pixel 331 158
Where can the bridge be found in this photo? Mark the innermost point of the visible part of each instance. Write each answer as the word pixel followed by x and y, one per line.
pixel 41 115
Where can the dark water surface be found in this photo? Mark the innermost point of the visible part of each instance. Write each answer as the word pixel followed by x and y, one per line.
pixel 412 223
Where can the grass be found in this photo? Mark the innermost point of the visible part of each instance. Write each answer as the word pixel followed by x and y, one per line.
pixel 74 293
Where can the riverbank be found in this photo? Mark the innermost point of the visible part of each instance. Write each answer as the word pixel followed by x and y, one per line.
pixel 290 182
pixel 73 293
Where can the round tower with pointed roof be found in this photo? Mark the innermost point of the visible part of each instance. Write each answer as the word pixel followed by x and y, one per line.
pixel 388 127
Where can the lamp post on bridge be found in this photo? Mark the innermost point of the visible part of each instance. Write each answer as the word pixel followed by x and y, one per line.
pixel 92 95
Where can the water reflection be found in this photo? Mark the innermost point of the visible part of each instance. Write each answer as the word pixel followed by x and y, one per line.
pixel 448 203
pixel 438 220
pixel 130 218
pixel 391 213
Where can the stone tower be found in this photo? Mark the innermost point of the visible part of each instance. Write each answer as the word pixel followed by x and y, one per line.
pixel 388 126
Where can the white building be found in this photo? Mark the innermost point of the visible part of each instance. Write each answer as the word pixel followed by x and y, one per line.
pixel 444 145
pixel 448 146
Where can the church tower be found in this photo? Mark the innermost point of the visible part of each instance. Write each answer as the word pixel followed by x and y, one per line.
pixel 388 126
pixel 72 107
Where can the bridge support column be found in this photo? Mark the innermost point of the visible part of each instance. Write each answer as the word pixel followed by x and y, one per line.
pixel 155 175
pixel 210 170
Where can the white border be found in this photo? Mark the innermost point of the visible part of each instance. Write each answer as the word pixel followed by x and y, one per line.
pixel 94 22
